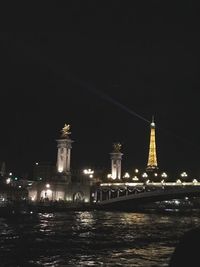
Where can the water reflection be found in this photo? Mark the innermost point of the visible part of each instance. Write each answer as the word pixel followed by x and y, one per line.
pixel 92 238
pixel 85 217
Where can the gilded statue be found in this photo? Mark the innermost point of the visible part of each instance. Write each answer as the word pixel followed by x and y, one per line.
pixel 65 130
pixel 117 147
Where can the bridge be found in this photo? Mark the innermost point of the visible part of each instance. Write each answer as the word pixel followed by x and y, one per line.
pixel 132 195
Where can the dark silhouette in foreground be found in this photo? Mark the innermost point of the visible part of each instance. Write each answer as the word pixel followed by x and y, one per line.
pixel 187 252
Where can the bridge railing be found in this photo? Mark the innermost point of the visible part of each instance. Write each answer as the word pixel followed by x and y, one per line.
pixel 108 191
pixel 151 183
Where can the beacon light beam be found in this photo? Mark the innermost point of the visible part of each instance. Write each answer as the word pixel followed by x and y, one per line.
pixel 116 103
pixel 31 52
pixel 113 101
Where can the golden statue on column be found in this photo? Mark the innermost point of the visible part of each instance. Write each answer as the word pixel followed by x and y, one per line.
pixel 65 131
pixel 117 147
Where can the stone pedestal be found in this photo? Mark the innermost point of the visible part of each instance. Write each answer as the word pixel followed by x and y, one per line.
pixel 64 156
pixel 116 158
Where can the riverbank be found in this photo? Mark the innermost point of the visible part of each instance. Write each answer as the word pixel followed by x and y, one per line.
pixel 60 207
pixel 23 208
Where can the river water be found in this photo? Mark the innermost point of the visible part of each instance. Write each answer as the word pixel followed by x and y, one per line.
pixel 93 238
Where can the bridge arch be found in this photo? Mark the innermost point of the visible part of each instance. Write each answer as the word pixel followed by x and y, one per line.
pixel 150 196
pixel 78 196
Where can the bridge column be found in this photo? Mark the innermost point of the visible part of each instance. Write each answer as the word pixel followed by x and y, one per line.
pixel 109 194
pixel 117 193
pixel 100 195
pixel 126 191
pixel 95 196
pixel 116 158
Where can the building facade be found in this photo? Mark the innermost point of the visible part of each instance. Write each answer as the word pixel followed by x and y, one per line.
pixel 61 184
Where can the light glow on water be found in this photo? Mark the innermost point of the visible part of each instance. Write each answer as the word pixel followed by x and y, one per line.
pixel 94 238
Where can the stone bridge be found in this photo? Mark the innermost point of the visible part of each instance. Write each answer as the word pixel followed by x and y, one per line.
pixel 127 196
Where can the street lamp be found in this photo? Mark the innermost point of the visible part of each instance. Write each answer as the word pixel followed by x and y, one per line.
pixel 88 171
pixel 144 175
pixel 126 175
pixel 47 185
pixel 184 174
pixel 164 175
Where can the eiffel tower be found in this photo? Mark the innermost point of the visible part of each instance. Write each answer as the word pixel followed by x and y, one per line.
pixel 152 164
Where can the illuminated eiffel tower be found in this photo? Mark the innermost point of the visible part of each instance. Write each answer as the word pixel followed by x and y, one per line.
pixel 152 164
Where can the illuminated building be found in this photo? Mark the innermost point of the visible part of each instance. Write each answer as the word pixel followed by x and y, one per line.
pixel 11 194
pixel 59 184
pixel 43 171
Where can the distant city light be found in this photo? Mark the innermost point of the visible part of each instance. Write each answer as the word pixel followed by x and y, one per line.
pixel 109 175
pixel 36 163
pixel 68 199
pixel 178 181
pixel 155 174
pixel 136 170
pixel 16 178
pixel 8 180
pixel 19 186
pixel 10 173
pixel 91 175
pixel 47 185
pixel 60 169
pixel 88 171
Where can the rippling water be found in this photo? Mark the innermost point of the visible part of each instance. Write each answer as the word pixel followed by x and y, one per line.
pixel 94 238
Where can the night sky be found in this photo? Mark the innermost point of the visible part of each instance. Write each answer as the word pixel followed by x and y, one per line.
pixel 96 68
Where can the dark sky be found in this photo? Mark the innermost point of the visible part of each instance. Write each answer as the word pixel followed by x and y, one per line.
pixel 55 59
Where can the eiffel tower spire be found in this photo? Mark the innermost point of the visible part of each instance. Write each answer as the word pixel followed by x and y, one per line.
pixel 152 159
